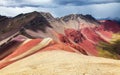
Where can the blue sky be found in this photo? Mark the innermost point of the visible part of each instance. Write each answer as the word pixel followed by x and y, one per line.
pixel 58 8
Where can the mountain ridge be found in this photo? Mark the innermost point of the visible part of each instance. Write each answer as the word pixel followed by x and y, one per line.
pixel 21 20
pixel 81 32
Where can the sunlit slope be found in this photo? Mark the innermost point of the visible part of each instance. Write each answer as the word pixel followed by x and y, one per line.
pixel 62 63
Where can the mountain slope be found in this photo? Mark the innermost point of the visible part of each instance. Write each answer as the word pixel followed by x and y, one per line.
pixel 81 32
pixel 62 63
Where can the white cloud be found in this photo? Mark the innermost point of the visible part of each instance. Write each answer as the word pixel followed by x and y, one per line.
pixel 13 11
pixel 10 11
pixel 3 2
pixel 38 1
pixel 21 3
pixel 7 2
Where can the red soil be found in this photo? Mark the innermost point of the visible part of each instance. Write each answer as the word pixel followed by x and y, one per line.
pixel 23 48
pixel 27 46
pixel 19 51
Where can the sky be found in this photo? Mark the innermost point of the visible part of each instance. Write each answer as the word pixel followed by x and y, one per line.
pixel 58 8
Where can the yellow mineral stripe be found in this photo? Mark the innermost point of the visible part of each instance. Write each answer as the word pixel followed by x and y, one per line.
pixel 25 41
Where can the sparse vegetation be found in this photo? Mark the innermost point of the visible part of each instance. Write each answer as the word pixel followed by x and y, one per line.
pixel 110 50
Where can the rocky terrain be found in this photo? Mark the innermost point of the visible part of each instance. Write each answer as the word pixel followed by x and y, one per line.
pixel 24 35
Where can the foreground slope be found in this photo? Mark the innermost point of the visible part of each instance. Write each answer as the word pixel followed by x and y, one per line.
pixel 62 63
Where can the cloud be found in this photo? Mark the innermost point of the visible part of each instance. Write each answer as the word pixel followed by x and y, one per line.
pixel 97 8
pixel 10 11
pixel 84 2
pixel 13 11
pixel 25 3
pixel 52 3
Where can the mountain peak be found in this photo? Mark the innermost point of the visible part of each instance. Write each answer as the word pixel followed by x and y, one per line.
pixel 47 15
pixel 87 18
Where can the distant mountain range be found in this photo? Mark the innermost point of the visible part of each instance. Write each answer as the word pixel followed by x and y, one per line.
pixel 117 19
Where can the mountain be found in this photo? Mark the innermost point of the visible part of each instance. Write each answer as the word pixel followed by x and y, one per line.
pixel 38 20
pixel 38 25
pixel 81 29
pixel 117 19
pixel 16 23
pixel 26 34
